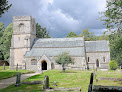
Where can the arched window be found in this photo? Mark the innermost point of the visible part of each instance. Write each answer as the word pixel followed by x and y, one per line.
pixel 88 59
pixel 103 59
pixel 21 27
pixel 33 62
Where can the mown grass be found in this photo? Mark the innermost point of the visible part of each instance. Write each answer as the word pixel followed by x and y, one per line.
pixel 69 79
pixel 11 72
pixel 6 67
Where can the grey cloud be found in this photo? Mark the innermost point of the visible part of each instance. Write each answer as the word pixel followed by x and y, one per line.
pixel 58 17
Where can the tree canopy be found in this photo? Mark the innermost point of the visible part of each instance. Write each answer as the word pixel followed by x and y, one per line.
pixel 64 59
pixel 112 18
pixel 4 6
pixel 41 32
pixel 71 34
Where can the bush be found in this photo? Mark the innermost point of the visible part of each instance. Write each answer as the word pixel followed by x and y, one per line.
pixel 113 65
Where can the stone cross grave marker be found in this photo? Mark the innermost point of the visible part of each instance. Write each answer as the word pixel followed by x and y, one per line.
pixel 91 83
pixel 4 66
pixel 18 79
pixel 46 82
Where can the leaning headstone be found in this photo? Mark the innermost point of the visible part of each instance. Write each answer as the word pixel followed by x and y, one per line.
pixel 46 82
pixel 4 66
pixel 18 79
pixel 91 83
pixel 17 67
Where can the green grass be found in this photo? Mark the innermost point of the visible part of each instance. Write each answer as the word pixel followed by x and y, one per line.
pixel 10 73
pixel 1 67
pixel 69 79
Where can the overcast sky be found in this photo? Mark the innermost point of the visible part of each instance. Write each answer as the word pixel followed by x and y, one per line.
pixel 60 16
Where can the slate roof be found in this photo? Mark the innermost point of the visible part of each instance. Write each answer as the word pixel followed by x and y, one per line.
pixel 56 46
pixel 59 42
pixel 97 46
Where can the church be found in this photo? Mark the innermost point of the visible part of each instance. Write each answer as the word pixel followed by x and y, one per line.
pixel 40 54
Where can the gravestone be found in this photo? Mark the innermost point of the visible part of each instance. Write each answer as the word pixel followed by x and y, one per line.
pixel 46 82
pixel 18 79
pixel 91 83
pixel 4 66
pixel 17 67
pixel 120 70
pixel 55 83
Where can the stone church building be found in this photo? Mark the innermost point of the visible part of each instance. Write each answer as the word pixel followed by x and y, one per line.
pixel 36 54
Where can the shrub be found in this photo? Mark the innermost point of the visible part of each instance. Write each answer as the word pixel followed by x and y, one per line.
pixel 113 65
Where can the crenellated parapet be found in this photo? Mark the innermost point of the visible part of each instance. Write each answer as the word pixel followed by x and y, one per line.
pixel 23 18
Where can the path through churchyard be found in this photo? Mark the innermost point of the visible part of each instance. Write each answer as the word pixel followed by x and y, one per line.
pixel 6 82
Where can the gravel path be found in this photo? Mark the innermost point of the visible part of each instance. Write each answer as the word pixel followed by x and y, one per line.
pixel 6 82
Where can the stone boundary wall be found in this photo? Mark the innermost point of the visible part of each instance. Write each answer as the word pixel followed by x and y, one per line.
pixel 111 79
pixel 99 88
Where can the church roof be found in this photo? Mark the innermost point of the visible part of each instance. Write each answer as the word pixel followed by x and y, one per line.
pixel 59 42
pixel 56 46
pixel 97 46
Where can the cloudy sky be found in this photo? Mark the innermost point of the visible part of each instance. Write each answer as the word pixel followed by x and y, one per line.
pixel 60 16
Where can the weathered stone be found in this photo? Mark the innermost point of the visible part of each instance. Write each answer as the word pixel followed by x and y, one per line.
pixel 4 66
pixel 55 83
pixel 62 89
pixel 18 79
pixel 32 82
pixel 91 83
pixel 17 67
pixel 99 88
pixel 109 78
pixel 46 82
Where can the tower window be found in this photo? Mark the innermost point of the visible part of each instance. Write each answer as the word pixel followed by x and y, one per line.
pixel 103 59
pixel 88 59
pixel 21 27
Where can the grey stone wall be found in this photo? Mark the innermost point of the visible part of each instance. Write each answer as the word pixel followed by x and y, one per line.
pixel 98 55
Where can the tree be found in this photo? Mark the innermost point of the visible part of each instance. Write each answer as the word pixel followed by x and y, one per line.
pixel 64 59
pixel 4 6
pixel 5 41
pixel 41 32
pixel 113 20
pixel 87 35
pixel 71 34
pixel 113 15
pixel 1 34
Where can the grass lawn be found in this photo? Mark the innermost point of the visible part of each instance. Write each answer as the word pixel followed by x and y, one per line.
pixel 10 73
pixel 69 79
pixel 1 67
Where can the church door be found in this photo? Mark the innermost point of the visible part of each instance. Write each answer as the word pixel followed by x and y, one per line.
pixel 44 65
pixel 97 63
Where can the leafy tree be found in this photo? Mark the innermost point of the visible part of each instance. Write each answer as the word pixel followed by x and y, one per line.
pixel 113 65
pixel 4 6
pixel 6 41
pixel 113 21
pixel 64 59
pixel 113 15
pixel 1 34
pixel 41 32
pixel 71 34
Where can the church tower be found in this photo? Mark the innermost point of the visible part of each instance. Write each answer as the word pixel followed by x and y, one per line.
pixel 24 33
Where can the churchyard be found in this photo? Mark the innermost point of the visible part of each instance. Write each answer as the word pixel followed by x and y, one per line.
pixel 10 73
pixel 68 79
